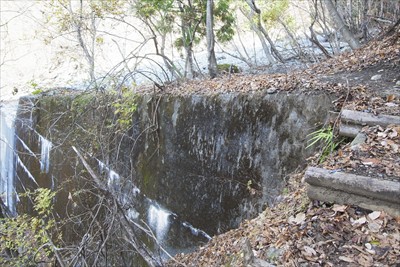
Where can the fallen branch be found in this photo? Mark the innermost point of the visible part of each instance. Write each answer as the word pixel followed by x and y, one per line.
pixel 140 247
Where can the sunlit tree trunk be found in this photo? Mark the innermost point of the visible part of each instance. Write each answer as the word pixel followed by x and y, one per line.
pixel 187 42
pixel 212 61
pixel 340 26
pixel 261 29
pixel 89 53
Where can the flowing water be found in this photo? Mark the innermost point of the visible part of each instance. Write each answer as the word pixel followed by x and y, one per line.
pixel 7 155
pixel 26 164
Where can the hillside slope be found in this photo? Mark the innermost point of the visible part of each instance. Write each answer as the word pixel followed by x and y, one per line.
pixel 298 231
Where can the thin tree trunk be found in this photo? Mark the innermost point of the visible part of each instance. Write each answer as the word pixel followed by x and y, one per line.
pixel 271 43
pixel 364 23
pixel 187 42
pixel 340 26
pixel 160 49
pixel 315 41
pixel 313 37
pixel 212 61
pixel 189 65
pixel 168 62
pixel 264 44
pixel 264 32
pixel 88 55
pixel 296 45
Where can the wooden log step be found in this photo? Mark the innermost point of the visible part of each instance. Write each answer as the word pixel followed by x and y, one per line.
pixel 349 130
pixel 353 121
pixel 340 197
pixel 363 118
pixel 355 184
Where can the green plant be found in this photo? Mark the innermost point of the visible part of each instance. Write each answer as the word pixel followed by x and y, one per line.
pixel 35 87
pixel 26 239
pixel 285 191
pixel 124 107
pixel 228 68
pixel 82 101
pixel 326 137
pixel 37 91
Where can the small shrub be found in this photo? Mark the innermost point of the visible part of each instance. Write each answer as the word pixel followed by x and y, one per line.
pixel 325 137
pixel 125 106
pixel 24 239
pixel 37 91
pixel 228 68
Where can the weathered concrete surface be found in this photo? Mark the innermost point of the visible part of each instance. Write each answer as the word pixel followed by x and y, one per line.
pixel 212 160
pixel 205 152
pixel 345 188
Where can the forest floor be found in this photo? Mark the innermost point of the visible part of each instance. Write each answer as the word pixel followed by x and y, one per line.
pixel 298 231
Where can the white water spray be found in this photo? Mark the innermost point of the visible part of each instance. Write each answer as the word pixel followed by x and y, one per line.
pixel 113 178
pixel 45 154
pixel 7 155
pixel 158 221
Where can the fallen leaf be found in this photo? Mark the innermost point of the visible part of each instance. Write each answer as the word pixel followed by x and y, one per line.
pixel 371 251
pixel 371 161
pixel 365 261
pixel 300 217
pixel 346 259
pixel 360 221
pixel 375 226
pixel 382 134
pixel 374 215
pixel 309 251
pixel 393 134
pixel 339 208
pixel 390 98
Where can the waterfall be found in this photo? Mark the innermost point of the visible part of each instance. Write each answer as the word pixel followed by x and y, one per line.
pixel 157 217
pixel 113 178
pixel 7 155
pixel 158 220
pixel 45 154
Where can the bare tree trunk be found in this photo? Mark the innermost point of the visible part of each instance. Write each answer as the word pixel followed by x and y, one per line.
pixel 212 61
pixel 189 64
pixel 271 43
pixel 167 61
pixel 296 46
pixel 264 44
pixel 160 49
pixel 187 41
pixel 364 24
pixel 340 26
pixel 89 55
pixel 264 32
